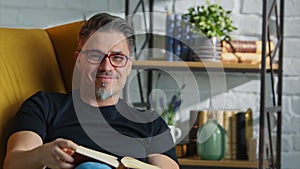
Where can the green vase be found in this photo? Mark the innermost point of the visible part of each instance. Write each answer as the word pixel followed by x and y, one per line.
pixel 211 141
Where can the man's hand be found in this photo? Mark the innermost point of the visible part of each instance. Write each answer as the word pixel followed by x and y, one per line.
pixel 162 161
pixel 57 154
pixel 25 149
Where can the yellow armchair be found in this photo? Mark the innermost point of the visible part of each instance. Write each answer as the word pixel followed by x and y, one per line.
pixel 32 60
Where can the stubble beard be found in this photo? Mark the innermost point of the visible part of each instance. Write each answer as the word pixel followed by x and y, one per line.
pixel 103 94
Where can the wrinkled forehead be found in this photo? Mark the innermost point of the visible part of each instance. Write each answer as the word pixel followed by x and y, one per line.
pixel 106 41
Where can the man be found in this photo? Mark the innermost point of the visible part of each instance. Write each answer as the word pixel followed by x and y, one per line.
pixel 50 126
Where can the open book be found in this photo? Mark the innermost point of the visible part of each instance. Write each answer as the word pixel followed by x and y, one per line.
pixel 83 154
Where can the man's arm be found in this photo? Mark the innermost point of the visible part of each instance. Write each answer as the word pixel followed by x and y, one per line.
pixel 25 149
pixel 162 161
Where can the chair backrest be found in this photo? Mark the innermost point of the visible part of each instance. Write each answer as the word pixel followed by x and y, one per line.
pixel 32 60
pixel 64 39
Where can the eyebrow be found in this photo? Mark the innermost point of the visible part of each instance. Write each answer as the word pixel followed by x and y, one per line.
pixel 116 52
pixel 96 50
pixel 112 52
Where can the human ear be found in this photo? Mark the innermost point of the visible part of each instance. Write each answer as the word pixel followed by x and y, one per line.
pixel 130 60
pixel 77 60
pixel 76 55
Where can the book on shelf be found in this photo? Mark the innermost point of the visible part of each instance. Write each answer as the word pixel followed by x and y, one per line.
pixel 233 131
pixel 250 58
pixel 181 150
pixel 169 36
pixel 242 51
pixel 241 136
pixel 252 149
pixel 84 154
pixel 178 38
pixel 246 46
pixel 230 143
pixel 249 134
pixel 238 125
pixel 227 119
pixel 192 145
pixel 197 119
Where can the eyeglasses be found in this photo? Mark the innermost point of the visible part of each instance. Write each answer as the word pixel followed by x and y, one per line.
pixel 96 57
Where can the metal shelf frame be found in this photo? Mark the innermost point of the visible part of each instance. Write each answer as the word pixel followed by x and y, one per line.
pixel 277 101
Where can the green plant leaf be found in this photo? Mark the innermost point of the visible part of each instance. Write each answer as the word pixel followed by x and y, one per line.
pixel 211 19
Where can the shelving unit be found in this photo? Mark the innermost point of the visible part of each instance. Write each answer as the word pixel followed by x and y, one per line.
pixel 263 68
pixel 202 66
pixel 193 161
pixel 216 66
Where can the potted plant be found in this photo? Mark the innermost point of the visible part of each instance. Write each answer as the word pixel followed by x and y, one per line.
pixel 212 20
pixel 169 114
pixel 169 111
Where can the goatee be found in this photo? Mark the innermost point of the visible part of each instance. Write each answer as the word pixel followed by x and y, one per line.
pixel 103 94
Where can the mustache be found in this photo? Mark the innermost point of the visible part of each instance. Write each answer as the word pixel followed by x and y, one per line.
pixel 107 74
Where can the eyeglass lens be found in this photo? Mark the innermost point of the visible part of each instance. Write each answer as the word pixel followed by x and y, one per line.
pixel 96 57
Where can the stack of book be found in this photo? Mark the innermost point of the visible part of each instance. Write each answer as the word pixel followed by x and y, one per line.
pixel 182 43
pixel 239 132
pixel 177 38
pixel 239 51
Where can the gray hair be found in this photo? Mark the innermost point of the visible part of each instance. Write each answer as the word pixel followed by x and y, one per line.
pixel 105 21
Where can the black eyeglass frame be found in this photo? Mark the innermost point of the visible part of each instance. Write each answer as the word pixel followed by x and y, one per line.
pixel 108 55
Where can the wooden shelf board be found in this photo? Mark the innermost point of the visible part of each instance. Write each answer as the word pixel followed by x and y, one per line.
pixel 194 161
pixel 154 64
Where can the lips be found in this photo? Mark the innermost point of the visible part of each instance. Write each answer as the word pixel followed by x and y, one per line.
pixel 105 77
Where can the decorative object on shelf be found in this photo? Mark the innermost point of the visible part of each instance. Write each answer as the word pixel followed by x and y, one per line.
pixel 212 24
pixel 212 20
pixel 175 132
pixel 169 113
pixel 211 141
pixel 206 49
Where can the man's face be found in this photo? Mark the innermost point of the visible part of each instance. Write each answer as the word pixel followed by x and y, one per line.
pixel 106 79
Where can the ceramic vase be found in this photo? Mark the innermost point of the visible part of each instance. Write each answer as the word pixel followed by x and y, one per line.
pixel 211 141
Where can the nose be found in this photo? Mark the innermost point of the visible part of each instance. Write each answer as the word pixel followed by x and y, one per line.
pixel 105 65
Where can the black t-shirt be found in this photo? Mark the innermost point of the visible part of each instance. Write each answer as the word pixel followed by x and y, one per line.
pixel 119 130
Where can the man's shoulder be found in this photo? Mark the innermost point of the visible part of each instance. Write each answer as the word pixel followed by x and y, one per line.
pixel 45 101
pixel 48 96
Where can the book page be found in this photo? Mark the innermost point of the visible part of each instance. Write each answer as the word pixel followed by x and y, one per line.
pixel 102 157
pixel 137 164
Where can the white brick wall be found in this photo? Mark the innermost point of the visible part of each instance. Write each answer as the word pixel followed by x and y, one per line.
pixel 242 88
pixel 292 8
pixel 252 7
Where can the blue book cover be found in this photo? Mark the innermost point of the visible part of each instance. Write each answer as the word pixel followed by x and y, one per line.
pixel 169 36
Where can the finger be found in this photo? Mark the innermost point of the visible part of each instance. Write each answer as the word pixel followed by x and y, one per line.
pixel 58 164
pixel 68 151
pixel 65 165
pixel 62 155
pixel 63 143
